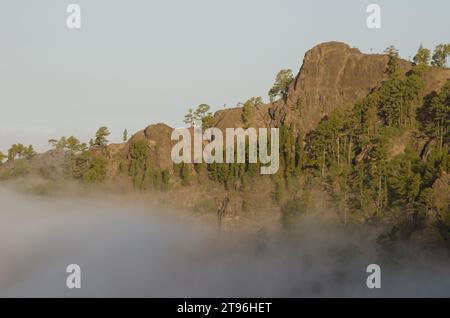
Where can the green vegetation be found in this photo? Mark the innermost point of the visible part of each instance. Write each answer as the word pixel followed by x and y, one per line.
pixel 100 137
pixel 143 174
pixel 88 167
pixel 282 82
pixel 398 96
pixel 96 171
pixel 19 151
pixel 383 159
pixel 248 107
pixel 201 114
pixel 349 149
pixel 182 171
pixel 74 146
pixel 71 144
pixel 435 115
pixel 20 168
pixel 440 55
pixel 423 56
pixel 125 135
pixel 189 118
pixel 139 154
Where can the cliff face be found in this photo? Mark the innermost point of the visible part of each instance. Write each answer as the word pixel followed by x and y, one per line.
pixel 332 75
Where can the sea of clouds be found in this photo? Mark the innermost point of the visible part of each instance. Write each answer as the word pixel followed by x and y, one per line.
pixel 132 250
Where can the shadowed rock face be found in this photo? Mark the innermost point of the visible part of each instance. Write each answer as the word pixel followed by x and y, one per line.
pixel 333 75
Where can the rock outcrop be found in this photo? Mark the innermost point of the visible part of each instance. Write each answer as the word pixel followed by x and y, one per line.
pixel 332 75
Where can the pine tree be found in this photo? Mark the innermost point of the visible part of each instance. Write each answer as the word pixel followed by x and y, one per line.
pixel 393 62
pixel 100 136
pixel 202 111
pixel 139 154
pixel 184 174
pixel 434 115
pixel 203 114
pixel 247 108
pixel 29 152
pixel 53 143
pixel 423 56
pixel 440 55
pixel 73 145
pixel 62 143
pixel 280 88
pixel 96 171
pixel 189 118
pixel 405 178
pixel 399 94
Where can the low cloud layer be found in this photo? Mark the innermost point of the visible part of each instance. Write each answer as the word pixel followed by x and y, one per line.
pixel 128 250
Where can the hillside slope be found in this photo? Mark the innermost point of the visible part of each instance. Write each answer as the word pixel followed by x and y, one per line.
pixel 340 148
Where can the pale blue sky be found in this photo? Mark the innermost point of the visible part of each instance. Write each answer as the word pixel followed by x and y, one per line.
pixel 138 62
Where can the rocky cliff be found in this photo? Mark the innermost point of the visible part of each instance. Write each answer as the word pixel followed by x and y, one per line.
pixel 332 75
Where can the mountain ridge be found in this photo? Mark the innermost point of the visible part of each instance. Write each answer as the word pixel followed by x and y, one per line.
pixel 333 80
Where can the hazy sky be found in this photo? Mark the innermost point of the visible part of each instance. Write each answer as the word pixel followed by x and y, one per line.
pixel 139 62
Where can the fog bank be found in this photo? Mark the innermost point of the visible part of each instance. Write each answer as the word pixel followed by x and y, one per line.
pixel 128 250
